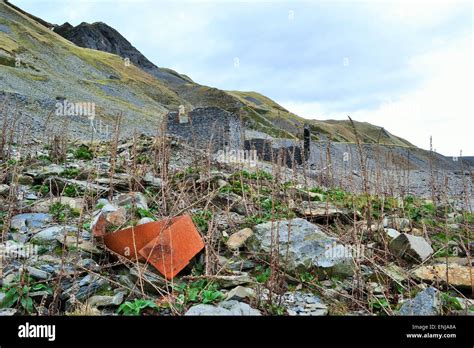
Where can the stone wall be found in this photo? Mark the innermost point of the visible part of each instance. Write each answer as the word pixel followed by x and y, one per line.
pixel 289 154
pixel 207 127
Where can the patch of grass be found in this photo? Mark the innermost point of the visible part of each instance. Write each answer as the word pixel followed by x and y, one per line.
pixel 274 309
pixel 201 220
pixel 70 173
pixel 145 213
pixel 72 190
pixel 257 175
pixel 84 153
pixel 200 291
pixel 378 304
pixel 136 307
pixel 236 187
pixel 262 274
pixel 43 189
pixel 62 212
pixel 450 303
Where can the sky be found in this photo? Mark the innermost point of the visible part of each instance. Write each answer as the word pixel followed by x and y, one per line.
pixel 403 65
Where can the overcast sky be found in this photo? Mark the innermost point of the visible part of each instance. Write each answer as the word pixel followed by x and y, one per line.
pixel 404 65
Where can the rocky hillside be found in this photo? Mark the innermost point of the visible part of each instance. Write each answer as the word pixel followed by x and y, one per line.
pixel 39 67
pixel 336 251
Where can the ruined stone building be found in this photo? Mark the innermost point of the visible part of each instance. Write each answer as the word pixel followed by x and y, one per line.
pixel 207 127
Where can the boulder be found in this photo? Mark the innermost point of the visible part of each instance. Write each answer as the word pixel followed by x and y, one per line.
pixel 144 274
pixel 319 210
pixel 37 273
pixel 305 245
pixel 52 233
pixel 223 308
pixel 240 293
pixel 41 173
pixel 457 275
pixel 426 302
pixel 105 301
pixel 238 278
pixel 411 248
pixel 30 221
pixel 238 239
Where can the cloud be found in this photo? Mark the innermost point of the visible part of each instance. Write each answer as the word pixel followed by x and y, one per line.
pixel 440 107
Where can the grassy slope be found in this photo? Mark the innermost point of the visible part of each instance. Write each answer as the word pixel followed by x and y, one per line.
pixel 50 62
pixel 266 112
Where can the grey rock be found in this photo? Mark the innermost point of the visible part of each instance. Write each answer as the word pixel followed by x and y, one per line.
pixel 230 201
pixel 89 264
pixel 27 221
pixel 228 219
pixel 7 312
pixel 319 210
pixel 144 220
pixel 44 172
pixel 391 233
pixel 240 293
pixel 235 263
pixel 152 281
pixel 239 278
pixel 238 239
pixel 411 248
pixel 307 247
pixel 102 201
pixel 52 233
pixel 43 206
pixel 31 196
pixel 37 273
pixel 400 224
pixel 426 302
pixel 150 180
pixel 86 290
pixel 100 36
pixel 303 303
pixel 104 301
pixel 206 310
pixel 223 308
pixel 133 197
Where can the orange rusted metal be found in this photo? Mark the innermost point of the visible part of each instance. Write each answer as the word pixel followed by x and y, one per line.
pixel 173 248
pixel 168 244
